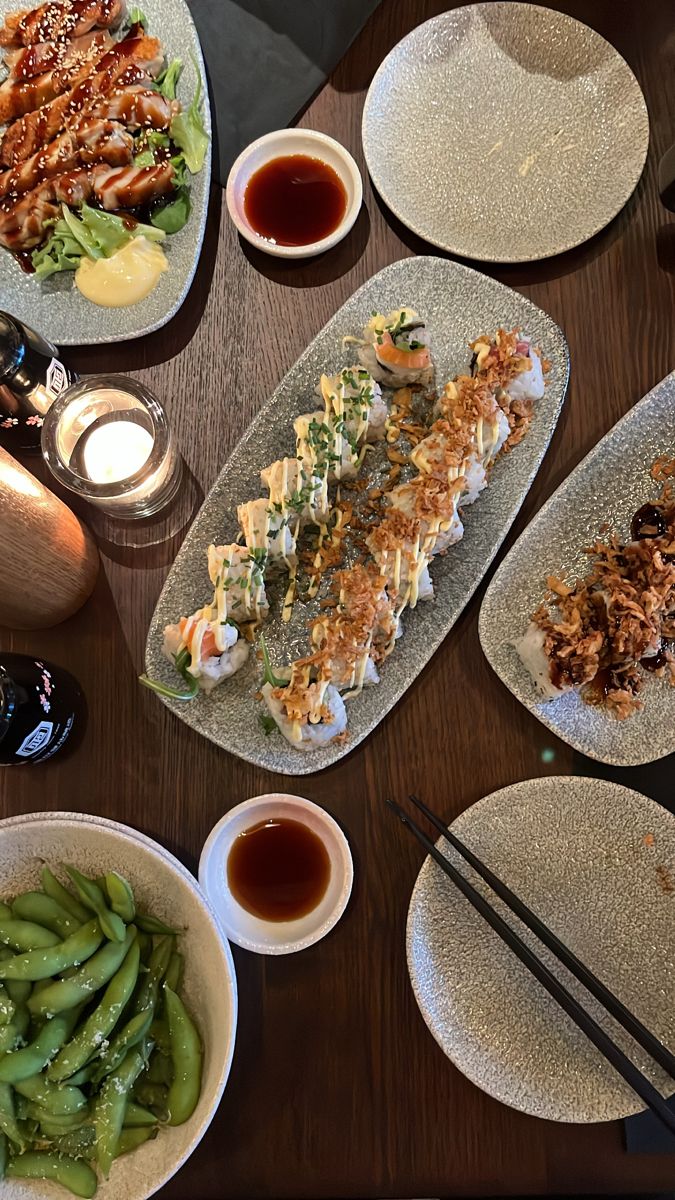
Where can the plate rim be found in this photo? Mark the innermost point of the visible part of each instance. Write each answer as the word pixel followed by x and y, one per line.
pixel 449 247
pixel 308 763
pixel 538 709
pixel 518 787
pixel 199 227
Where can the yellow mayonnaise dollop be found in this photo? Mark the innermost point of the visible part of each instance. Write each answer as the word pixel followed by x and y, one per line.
pixel 129 275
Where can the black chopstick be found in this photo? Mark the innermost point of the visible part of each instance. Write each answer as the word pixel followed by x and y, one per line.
pixel 624 1016
pixel 594 1032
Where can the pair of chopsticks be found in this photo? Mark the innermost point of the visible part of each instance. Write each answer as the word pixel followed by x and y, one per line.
pixel 600 1039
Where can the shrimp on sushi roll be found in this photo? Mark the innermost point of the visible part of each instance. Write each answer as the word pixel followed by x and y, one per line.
pixel 237 575
pixel 205 648
pixel 510 363
pixel 293 489
pixel 309 712
pixel 355 397
pixel 395 349
pixel 270 532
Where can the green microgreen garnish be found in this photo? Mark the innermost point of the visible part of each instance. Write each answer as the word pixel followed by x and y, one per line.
pixel 268 671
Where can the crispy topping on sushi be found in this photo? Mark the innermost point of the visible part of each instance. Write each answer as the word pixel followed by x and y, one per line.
pixel 618 618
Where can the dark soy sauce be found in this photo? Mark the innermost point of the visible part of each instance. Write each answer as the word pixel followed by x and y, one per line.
pixel 278 870
pixel 295 200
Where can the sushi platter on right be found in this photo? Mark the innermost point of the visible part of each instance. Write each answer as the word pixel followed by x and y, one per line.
pixel 579 619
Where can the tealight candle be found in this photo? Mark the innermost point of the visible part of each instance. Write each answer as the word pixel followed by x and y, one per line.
pixel 108 440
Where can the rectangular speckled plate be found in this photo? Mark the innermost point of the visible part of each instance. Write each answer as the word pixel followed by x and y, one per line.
pixel 604 491
pixel 458 304
pixel 54 306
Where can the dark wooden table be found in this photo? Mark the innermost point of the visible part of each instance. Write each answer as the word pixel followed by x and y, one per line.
pixel 337 1087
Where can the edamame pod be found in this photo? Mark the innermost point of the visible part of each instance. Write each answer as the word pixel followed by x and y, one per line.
pixel 154 1096
pixel 26 935
pixel 84 1076
pixel 8 1122
pixel 44 910
pixel 186 1056
pixel 160 1069
pixel 71 1173
pixel 37 965
pixel 91 1035
pixel 91 895
pixel 33 1058
pixel 135 1114
pixel 7 1006
pixel 111 1104
pixel 16 990
pixel 5 911
pixel 66 993
pixel 55 1124
pixel 15 1031
pixel 58 892
pixel 174 974
pixel 151 925
pixel 55 1099
pixel 131 1139
pixel 76 1144
pixel 4 1155
pixel 130 1035
pixel 160 958
pixel 121 896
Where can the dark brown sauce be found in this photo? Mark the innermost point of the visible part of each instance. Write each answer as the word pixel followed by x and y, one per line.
pixel 648 522
pixel 25 260
pixel 596 692
pixel 278 870
pixel 654 662
pixel 295 200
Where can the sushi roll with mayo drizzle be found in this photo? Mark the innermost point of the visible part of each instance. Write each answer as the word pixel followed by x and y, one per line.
pixel 292 488
pixel 445 454
pixel 268 530
pixel 237 575
pixel 433 503
pixel 395 349
pixel 204 648
pixel 310 712
pixel 510 363
pixel 396 546
pixel 325 446
pixel 354 397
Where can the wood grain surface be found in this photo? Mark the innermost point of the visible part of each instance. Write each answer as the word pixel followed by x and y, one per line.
pixel 337 1087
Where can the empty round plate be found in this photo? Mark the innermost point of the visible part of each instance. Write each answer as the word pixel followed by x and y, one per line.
pixel 597 863
pixel 505 132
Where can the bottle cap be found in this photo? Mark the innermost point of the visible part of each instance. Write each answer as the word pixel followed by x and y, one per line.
pixel 11 347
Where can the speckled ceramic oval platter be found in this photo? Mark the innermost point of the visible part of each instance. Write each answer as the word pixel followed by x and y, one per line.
pixel 55 305
pixel 607 487
pixel 578 852
pixel 457 304
pixel 519 116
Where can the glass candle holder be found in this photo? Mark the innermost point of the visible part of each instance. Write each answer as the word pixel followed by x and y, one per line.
pixel 108 440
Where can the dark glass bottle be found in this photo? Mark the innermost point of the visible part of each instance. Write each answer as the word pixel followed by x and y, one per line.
pixel 31 377
pixel 40 707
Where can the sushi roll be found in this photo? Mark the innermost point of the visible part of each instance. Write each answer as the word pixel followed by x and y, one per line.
pixel 396 546
pixel 291 488
pixel 472 406
pixel 448 452
pixel 531 650
pixel 204 648
pixel 433 504
pixel 360 630
pixel 510 363
pixel 270 532
pixel 325 446
pixel 237 575
pixel 309 713
pixel 395 349
pixel 355 397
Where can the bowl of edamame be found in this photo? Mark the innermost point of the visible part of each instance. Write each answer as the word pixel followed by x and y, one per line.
pixel 118 1010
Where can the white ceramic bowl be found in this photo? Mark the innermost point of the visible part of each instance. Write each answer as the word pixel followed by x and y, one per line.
pixel 276 937
pixel 169 891
pixel 293 141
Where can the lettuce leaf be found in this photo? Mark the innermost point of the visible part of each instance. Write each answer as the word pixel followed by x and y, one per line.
pixel 173 215
pixel 92 234
pixel 167 81
pixel 188 132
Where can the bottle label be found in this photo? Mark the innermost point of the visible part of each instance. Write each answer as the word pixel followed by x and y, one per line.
pixel 36 741
pixel 57 377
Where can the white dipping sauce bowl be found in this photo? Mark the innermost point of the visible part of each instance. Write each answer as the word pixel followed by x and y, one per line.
pixel 241 926
pixel 278 144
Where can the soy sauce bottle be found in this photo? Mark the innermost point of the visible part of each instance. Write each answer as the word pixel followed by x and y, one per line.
pixel 40 708
pixel 31 377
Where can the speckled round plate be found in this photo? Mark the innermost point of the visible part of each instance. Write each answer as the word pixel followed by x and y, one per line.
pixel 457 304
pixel 602 493
pixel 597 863
pixel 54 306
pixel 505 132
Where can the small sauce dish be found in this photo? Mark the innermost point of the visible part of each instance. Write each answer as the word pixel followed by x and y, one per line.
pixel 277 146
pixel 313 845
